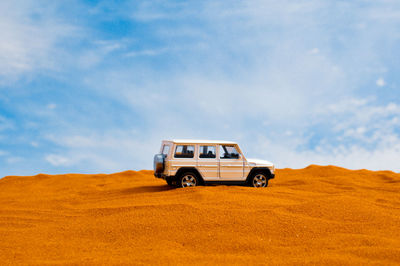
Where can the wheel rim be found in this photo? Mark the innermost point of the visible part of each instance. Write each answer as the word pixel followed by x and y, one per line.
pixel 259 181
pixel 189 181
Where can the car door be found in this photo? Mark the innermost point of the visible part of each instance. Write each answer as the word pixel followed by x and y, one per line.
pixel 207 162
pixel 184 156
pixel 231 165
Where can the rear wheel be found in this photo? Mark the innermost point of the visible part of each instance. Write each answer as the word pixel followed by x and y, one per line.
pixel 188 179
pixel 259 180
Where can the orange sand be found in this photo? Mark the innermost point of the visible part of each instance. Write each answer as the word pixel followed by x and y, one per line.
pixel 317 215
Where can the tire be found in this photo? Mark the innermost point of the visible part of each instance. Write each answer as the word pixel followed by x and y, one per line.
pixel 169 182
pixel 259 180
pixel 188 179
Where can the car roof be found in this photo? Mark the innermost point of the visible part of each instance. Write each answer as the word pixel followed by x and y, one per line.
pixel 201 141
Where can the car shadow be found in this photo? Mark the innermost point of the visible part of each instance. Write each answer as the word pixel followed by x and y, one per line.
pixel 146 189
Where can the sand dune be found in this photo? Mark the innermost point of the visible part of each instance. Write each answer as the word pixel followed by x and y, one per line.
pixel 316 215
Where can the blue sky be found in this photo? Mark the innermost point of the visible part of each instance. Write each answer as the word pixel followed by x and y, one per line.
pixel 94 86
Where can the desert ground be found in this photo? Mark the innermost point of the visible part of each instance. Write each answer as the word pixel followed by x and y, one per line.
pixel 316 215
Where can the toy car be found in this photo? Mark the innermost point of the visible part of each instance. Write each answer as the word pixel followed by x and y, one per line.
pixel 188 163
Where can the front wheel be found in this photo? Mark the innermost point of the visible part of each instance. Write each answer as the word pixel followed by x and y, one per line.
pixel 259 180
pixel 170 182
pixel 188 179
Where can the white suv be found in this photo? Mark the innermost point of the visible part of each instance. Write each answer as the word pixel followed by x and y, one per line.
pixel 187 163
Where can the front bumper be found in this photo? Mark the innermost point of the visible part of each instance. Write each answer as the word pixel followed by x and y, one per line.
pixel 158 175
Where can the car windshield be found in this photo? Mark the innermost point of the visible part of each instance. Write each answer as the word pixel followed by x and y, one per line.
pixel 228 152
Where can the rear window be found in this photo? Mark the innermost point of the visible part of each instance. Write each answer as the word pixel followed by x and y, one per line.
pixel 184 151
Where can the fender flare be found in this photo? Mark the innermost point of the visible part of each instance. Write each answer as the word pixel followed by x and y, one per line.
pixel 264 170
pixel 188 169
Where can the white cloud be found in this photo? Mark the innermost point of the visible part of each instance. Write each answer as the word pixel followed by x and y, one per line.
pixel 106 152
pixel 14 159
pixel 34 144
pixel 29 39
pixel 367 136
pixel 285 79
pixel 6 123
pixel 380 82
pixel 353 157
pixel 51 106
pixel 147 52
pixel 281 67
pixel 99 52
pixel 58 160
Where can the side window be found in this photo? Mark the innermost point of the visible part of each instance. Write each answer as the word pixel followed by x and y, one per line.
pixel 207 152
pixel 228 152
pixel 184 151
pixel 165 150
